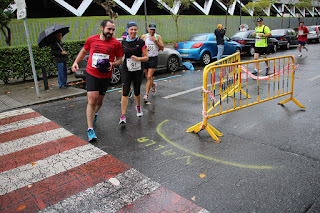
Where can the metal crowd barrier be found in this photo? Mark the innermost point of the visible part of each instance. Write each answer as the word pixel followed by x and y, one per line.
pixel 233 87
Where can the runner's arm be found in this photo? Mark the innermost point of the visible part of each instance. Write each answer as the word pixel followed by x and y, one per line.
pixel 80 56
pixel 159 42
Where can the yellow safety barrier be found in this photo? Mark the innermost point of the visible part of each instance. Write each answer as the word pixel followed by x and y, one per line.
pixel 226 78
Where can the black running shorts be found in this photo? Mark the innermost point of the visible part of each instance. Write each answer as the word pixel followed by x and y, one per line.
pixel 152 63
pixel 261 50
pixel 97 84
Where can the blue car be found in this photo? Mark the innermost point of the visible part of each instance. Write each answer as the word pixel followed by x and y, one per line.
pixel 203 48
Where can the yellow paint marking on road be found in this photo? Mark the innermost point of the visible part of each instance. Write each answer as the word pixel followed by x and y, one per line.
pixel 208 157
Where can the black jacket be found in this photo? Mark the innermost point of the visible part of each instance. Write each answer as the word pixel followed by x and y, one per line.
pixel 220 36
pixel 56 52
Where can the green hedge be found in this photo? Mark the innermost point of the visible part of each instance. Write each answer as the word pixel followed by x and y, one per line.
pixel 15 61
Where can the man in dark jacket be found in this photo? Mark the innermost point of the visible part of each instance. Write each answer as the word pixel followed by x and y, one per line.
pixel 219 32
pixel 61 58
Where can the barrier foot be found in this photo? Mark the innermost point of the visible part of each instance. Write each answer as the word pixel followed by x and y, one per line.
pixel 196 128
pixel 292 99
pixel 214 133
pixel 230 94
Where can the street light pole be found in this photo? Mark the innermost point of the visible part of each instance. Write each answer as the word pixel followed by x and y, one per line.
pixel 240 12
pixel 145 15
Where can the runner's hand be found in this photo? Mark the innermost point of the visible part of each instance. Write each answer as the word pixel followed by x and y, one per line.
pixel 111 67
pixel 74 67
pixel 135 58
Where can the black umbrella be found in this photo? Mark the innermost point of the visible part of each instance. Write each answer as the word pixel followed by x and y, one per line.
pixel 46 36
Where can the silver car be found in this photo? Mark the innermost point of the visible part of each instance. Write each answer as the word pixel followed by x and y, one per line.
pixel 314 33
pixel 168 59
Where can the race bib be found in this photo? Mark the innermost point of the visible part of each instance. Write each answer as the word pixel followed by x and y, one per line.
pixel 133 65
pixel 258 38
pixel 96 57
pixel 152 48
pixel 300 32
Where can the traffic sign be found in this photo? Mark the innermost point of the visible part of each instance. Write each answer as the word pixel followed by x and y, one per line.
pixel 21 4
pixel 21 14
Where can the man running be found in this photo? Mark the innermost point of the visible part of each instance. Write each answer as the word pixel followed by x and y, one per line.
pixel 103 48
pixel 262 32
pixel 302 37
pixel 154 44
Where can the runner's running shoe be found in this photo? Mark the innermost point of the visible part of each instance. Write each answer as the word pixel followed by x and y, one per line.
pixel 306 49
pixel 91 135
pixel 300 55
pixel 145 98
pixel 153 88
pixel 95 118
pixel 254 72
pixel 123 119
pixel 139 111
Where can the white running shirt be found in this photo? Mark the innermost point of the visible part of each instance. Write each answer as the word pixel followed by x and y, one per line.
pixel 153 48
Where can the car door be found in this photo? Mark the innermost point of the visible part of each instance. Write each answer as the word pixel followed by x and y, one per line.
pixel 228 47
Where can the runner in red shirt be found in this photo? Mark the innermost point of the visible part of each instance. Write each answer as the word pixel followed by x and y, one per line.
pixel 105 52
pixel 302 37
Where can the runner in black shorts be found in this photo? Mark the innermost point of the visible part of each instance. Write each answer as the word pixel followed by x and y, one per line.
pixel 105 52
pixel 135 52
pixel 154 44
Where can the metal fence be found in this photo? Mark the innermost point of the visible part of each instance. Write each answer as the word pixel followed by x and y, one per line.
pixel 165 27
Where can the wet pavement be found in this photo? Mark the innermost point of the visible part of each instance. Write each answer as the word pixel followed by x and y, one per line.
pixel 268 160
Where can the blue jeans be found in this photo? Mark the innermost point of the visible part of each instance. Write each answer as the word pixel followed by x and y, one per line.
pixel 62 74
pixel 220 51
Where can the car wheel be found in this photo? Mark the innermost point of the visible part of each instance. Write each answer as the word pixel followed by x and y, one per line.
pixel 116 76
pixel 275 48
pixel 205 59
pixel 252 50
pixel 173 63
pixel 237 50
pixel 288 46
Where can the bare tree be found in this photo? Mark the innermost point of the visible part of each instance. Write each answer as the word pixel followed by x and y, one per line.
pixel 183 4
pixel 258 8
pixel 227 3
pixel 108 5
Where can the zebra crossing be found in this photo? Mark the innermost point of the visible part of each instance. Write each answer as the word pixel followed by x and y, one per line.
pixel 45 168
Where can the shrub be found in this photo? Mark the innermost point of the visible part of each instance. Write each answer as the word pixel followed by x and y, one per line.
pixel 15 61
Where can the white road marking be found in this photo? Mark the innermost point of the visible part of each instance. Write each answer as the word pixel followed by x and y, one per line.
pixel 314 78
pixel 23 124
pixel 15 113
pixel 33 140
pixel 28 174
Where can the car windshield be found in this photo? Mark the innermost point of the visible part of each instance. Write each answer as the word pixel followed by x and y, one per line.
pixel 278 32
pixel 239 35
pixel 311 28
pixel 198 38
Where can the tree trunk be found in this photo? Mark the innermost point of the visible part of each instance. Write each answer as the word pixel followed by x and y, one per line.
pixel 7 35
pixel 226 21
pixel 176 21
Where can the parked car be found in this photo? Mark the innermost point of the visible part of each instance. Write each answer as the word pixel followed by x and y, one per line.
pixel 203 48
pixel 168 59
pixel 247 39
pixel 286 37
pixel 314 33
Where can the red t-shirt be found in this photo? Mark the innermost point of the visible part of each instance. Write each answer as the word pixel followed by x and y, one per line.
pixel 302 30
pixel 99 50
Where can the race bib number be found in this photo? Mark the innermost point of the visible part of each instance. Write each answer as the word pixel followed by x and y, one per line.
pixel 133 65
pixel 258 38
pixel 300 32
pixel 98 56
pixel 152 48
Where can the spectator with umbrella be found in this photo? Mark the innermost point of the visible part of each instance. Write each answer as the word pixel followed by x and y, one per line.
pixel 52 37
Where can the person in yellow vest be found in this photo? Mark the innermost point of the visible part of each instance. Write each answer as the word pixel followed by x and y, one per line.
pixel 262 32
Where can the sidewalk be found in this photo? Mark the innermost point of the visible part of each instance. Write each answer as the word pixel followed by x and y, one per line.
pixel 20 94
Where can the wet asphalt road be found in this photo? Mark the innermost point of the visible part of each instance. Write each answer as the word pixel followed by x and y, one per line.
pixel 268 160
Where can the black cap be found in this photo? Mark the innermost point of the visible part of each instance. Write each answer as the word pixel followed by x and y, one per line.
pixel 259 19
pixel 152 26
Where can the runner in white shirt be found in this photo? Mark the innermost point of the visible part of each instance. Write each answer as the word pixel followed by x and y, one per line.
pixel 154 44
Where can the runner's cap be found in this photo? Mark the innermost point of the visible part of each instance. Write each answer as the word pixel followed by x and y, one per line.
pixel 152 26
pixel 259 19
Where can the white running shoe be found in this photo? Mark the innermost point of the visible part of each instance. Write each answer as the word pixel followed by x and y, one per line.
pixel 153 88
pixel 145 98
pixel 300 55
pixel 306 49
pixel 139 111
pixel 123 119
